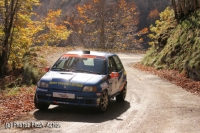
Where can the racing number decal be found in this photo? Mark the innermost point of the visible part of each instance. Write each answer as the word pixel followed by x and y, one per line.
pixel 116 83
pixel 113 84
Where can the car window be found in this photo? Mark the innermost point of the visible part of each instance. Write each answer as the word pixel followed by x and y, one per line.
pixel 111 65
pixel 91 65
pixel 118 63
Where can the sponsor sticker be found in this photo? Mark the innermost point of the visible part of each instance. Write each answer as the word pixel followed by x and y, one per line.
pixel 104 85
pixel 66 84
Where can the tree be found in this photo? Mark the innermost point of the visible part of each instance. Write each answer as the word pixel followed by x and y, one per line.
pixel 52 31
pixel 10 12
pixel 184 7
pixel 107 24
pixel 165 23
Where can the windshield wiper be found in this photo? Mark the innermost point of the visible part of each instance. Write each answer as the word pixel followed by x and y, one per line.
pixel 63 69
pixel 81 70
pixel 74 70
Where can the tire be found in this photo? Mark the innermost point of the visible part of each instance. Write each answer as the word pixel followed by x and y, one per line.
pixel 103 102
pixel 122 95
pixel 40 106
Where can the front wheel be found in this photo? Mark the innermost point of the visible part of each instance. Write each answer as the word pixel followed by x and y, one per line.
pixel 122 95
pixel 40 106
pixel 103 102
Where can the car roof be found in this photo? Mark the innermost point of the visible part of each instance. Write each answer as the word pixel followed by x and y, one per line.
pixel 96 53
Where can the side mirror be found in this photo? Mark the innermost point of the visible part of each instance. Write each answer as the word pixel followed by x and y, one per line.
pixel 114 75
pixel 47 69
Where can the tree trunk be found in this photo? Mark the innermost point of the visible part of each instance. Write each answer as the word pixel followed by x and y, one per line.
pixel 102 25
pixel 195 4
pixel 175 8
pixel 184 8
pixel 10 11
pixel 3 64
pixel 198 3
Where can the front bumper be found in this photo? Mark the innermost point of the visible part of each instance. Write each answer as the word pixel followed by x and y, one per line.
pixel 91 99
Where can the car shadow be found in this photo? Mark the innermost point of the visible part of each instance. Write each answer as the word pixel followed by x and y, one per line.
pixel 83 114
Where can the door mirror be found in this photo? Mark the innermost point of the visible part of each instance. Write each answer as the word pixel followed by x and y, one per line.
pixel 47 69
pixel 114 75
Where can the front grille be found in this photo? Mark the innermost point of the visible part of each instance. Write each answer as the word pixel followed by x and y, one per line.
pixel 89 102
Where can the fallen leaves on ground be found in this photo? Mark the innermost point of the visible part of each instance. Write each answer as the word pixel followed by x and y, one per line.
pixel 12 107
pixel 173 76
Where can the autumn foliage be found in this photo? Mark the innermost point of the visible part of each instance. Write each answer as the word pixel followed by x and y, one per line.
pixel 12 107
pixel 153 14
pixel 14 31
pixel 18 31
pixel 165 22
pixel 52 31
pixel 105 24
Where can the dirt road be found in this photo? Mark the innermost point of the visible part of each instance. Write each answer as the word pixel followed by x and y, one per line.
pixel 152 105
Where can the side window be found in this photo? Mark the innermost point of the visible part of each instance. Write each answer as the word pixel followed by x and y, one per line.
pixel 111 65
pixel 60 62
pixel 118 63
pixel 69 62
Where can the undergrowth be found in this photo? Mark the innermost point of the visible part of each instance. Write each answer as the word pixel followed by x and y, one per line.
pixel 181 51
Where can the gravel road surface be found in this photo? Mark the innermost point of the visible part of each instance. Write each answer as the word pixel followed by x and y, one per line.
pixel 153 105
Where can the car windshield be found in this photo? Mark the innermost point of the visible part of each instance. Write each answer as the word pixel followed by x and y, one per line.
pixel 80 64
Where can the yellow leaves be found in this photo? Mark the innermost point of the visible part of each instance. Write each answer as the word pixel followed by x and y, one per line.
pixel 22 31
pixel 52 15
pixel 1 3
pixel 161 25
pixel 80 9
pixel 22 40
pixel 91 21
pixel 52 33
pixel 141 40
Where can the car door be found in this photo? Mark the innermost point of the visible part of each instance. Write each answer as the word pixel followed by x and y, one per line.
pixel 113 82
pixel 121 73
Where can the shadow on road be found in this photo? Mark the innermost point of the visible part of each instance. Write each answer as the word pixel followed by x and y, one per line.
pixel 82 114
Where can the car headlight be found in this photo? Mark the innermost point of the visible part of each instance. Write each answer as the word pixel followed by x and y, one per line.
pixel 89 89
pixel 43 84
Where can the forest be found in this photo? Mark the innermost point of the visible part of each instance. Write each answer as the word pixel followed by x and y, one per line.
pixel 121 24
pixel 89 23
pixel 147 13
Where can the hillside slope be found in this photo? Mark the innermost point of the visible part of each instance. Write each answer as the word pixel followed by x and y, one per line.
pixel 182 49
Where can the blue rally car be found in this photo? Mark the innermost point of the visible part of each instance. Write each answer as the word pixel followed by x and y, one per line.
pixel 87 78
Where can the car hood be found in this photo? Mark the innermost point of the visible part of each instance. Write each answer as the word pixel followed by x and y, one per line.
pixel 63 79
